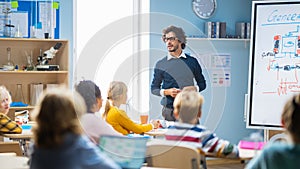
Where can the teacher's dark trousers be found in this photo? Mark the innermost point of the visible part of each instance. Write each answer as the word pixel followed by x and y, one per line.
pixel 167 113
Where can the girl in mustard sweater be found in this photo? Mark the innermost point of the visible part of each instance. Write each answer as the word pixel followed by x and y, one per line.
pixel 117 95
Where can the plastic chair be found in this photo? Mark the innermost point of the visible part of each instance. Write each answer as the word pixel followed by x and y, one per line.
pixel 174 154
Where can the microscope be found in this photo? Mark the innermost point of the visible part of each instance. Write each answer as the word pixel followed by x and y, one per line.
pixel 48 55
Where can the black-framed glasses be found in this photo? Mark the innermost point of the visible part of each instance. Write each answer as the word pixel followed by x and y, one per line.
pixel 171 39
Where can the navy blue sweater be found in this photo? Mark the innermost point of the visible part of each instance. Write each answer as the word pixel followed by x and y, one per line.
pixel 176 73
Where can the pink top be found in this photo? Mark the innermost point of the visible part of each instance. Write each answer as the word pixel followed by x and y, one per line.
pixel 95 126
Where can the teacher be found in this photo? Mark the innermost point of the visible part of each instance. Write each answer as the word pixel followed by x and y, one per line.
pixel 175 71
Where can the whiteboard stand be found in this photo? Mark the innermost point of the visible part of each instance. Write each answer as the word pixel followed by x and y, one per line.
pixel 274 135
pixel 266 135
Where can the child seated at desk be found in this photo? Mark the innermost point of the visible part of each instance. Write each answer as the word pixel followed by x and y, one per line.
pixel 283 155
pixel 187 111
pixel 58 138
pixel 117 95
pixel 93 125
pixel 6 124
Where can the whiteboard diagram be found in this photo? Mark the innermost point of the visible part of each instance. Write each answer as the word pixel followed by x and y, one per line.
pixel 274 70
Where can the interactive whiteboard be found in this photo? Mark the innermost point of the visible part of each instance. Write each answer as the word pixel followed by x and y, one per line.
pixel 274 70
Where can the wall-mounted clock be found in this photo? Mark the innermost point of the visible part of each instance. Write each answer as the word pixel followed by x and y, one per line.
pixel 204 8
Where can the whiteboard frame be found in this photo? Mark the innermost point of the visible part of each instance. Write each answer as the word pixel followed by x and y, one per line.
pixel 248 106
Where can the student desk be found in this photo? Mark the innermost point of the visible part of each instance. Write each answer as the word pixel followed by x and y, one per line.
pixel 156 132
pixel 145 167
pixel 21 138
pixel 248 154
pixel 207 159
pixel 14 162
pixel 244 156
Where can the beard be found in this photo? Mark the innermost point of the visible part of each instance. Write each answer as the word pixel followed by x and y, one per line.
pixel 173 48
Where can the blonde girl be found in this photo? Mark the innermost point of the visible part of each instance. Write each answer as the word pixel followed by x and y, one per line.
pixel 6 124
pixel 117 95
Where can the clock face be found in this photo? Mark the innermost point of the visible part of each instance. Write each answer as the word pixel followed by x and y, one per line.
pixel 204 8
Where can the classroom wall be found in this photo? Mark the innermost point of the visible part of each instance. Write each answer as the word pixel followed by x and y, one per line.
pixel 223 110
pixel 66 29
pixel 229 100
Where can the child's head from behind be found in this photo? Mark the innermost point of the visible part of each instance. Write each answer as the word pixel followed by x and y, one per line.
pixel 57 114
pixel 117 90
pixel 116 94
pixel 187 106
pixel 90 93
pixel 291 117
pixel 5 100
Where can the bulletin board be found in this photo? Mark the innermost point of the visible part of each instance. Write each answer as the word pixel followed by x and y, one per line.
pixel 26 15
pixel 274 70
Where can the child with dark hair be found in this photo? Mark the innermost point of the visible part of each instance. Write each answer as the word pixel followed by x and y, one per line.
pixel 94 126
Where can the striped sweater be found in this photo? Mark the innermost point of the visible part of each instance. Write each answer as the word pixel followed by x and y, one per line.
pixel 9 126
pixel 202 138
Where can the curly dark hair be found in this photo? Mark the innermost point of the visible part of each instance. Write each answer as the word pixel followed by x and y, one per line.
pixel 180 34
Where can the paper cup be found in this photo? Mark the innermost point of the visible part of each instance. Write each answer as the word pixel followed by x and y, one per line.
pixel 144 118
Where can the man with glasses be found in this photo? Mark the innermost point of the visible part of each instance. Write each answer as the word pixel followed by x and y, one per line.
pixel 175 72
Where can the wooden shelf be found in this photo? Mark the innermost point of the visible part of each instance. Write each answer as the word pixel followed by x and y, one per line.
pixel 19 48
pixel 33 72
pixel 32 40
pixel 219 39
pixel 22 108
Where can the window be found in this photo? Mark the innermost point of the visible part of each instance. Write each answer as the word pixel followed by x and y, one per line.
pixel 109 47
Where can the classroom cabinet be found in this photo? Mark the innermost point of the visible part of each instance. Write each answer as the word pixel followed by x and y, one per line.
pixel 20 48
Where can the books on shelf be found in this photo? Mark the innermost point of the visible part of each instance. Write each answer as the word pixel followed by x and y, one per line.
pixel 208 29
pixel 223 29
pixel 242 30
pixel 248 30
pixel 215 29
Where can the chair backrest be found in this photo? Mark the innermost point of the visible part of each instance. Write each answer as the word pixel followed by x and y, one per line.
pixel 172 154
pixel 128 152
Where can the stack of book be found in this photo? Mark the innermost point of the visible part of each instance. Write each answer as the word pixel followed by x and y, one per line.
pixel 215 29
pixel 242 30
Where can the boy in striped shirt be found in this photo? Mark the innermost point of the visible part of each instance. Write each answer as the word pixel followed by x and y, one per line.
pixel 187 111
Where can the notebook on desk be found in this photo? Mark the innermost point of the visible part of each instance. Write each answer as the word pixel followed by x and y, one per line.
pixel 128 152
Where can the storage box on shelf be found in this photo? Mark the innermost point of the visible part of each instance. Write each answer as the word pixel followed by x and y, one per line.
pixel 19 49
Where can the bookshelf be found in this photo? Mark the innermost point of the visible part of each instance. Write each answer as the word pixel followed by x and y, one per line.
pixel 218 40
pixel 19 48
